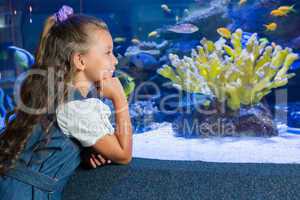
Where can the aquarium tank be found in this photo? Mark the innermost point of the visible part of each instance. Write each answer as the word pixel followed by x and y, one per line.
pixel 210 80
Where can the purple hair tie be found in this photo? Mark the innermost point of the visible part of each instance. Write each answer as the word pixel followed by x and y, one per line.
pixel 63 13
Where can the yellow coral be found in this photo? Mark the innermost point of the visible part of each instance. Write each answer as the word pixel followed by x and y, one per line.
pixel 232 73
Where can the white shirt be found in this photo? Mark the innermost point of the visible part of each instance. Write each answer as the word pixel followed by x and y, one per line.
pixel 87 120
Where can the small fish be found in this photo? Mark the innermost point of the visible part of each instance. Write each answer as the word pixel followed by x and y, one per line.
pixel 224 32
pixel 23 58
pixel 119 39
pixel 177 18
pixel 166 8
pixel 278 13
pixel 135 41
pixel 242 2
pixel 287 9
pixel 153 34
pixel 183 28
pixel 263 40
pixel 127 82
pixel 271 26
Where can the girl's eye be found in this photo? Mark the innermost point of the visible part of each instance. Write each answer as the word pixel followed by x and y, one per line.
pixel 109 52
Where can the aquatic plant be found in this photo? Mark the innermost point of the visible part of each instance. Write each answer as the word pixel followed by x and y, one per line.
pixel 231 73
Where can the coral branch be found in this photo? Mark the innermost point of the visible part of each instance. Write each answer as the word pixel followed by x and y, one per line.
pixel 230 72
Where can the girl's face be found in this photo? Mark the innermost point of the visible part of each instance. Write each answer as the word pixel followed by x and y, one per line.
pixel 100 61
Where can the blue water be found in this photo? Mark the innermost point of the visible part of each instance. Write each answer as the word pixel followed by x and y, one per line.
pixel 135 19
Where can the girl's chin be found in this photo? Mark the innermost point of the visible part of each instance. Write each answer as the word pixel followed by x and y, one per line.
pixel 107 75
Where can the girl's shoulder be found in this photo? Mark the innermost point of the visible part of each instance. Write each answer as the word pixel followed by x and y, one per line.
pixel 84 107
pixel 78 104
pixel 87 120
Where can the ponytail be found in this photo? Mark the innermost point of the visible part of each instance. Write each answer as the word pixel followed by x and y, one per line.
pixel 50 22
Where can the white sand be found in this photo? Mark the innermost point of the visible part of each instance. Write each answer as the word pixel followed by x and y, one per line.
pixel 162 144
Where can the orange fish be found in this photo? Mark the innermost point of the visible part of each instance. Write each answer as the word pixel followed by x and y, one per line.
pixel 241 2
pixel 224 32
pixel 278 13
pixel 287 9
pixel 271 27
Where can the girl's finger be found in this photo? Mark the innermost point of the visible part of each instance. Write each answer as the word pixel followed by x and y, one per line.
pixel 96 160
pixel 101 159
pixel 92 163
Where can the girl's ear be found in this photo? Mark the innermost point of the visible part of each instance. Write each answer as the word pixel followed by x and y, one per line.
pixel 79 61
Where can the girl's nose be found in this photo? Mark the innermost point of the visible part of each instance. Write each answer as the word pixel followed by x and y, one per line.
pixel 115 61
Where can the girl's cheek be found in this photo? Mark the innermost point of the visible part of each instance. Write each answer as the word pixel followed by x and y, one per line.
pixel 101 74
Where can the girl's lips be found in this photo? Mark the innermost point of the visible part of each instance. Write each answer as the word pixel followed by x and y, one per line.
pixel 109 73
pixel 106 73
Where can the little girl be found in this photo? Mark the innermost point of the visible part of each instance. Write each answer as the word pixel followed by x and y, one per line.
pixel 59 110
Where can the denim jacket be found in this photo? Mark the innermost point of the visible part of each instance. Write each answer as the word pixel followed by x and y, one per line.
pixel 43 169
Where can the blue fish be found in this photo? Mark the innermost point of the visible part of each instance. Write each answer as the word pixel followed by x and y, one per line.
pixel 24 58
pixel 144 61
